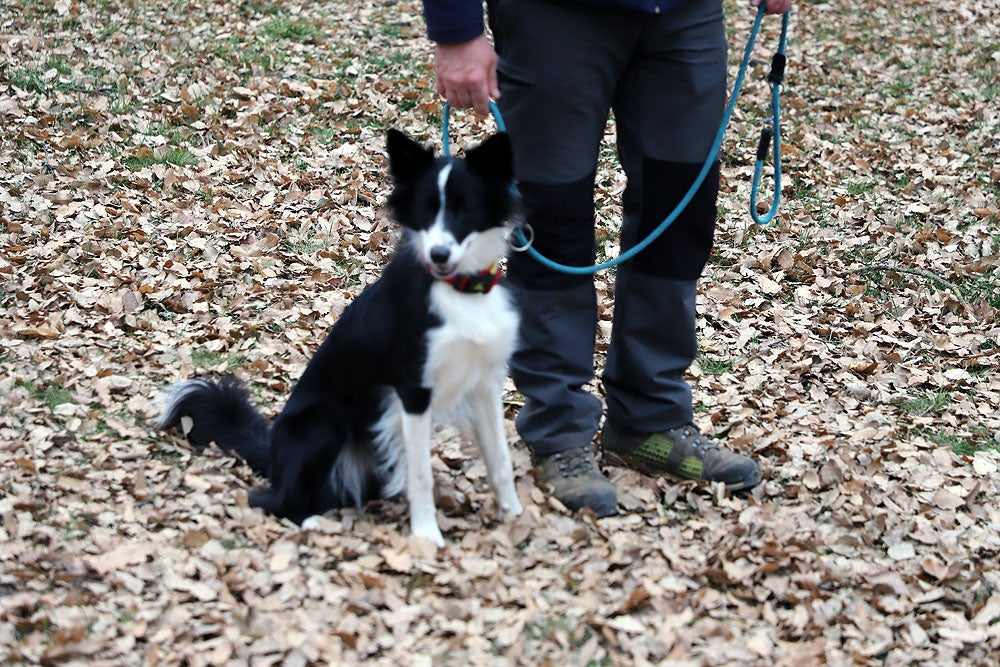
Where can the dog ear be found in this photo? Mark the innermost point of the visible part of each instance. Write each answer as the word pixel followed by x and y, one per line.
pixel 494 158
pixel 406 156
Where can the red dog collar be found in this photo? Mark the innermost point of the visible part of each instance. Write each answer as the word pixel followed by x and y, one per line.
pixel 480 282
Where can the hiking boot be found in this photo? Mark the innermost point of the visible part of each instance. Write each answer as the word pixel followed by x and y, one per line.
pixel 683 452
pixel 576 481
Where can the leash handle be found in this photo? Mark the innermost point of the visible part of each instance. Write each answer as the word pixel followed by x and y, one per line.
pixel 771 133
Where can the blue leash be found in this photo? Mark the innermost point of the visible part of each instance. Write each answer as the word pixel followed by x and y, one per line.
pixel 772 130
pixel 770 134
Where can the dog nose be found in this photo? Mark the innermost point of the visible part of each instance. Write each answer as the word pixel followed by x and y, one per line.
pixel 440 254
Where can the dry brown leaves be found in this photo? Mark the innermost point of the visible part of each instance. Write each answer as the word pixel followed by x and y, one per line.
pixel 197 186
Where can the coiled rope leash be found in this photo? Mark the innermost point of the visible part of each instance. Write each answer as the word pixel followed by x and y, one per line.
pixel 770 134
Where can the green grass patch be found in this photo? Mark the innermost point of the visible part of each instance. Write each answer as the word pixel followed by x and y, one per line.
pixel 856 188
pixel 53 395
pixel 711 366
pixel 927 402
pixel 965 448
pixel 984 287
pixel 207 359
pixel 246 56
pixel 979 440
pixel 292 29
pixel 47 394
pixel 180 157
pixel 30 80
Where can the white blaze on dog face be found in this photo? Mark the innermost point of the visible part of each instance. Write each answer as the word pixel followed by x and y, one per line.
pixel 442 182
pixel 437 242
pixel 439 245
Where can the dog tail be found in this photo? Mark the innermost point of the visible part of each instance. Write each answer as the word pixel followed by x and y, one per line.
pixel 219 410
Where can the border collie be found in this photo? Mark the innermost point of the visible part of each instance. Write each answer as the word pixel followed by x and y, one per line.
pixel 430 339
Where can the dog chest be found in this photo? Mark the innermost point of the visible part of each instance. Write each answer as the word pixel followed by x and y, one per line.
pixel 476 337
pixel 485 323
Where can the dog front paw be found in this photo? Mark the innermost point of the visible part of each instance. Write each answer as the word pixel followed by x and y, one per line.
pixel 509 505
pixel 315 523
pixel 428 531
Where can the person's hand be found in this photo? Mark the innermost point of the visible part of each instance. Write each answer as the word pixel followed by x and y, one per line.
pixel 773 6
pixel 467 73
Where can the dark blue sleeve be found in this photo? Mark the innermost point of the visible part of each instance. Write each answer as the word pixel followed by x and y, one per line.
pixel 453 20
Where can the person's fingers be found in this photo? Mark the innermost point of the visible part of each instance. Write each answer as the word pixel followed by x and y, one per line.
pixel 465 95
pixel 454 99
pixel 773 6
pixel 466 73
pixel 481 101
pixel 494 84
pixel 455 93
pixel 466 99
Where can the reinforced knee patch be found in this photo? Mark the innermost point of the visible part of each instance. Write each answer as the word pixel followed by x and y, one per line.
pixel 562 216
pixel 682 250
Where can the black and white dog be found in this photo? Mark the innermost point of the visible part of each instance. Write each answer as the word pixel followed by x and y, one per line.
pixel 430 339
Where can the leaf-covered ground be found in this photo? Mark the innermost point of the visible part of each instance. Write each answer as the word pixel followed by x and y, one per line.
pixel 197 186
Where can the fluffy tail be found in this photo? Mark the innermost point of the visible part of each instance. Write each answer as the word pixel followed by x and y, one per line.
pixel 219 411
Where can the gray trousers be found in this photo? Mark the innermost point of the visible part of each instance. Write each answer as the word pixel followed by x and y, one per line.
pixel 563 67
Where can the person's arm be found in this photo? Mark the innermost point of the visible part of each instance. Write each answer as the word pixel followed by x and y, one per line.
pixel 465 63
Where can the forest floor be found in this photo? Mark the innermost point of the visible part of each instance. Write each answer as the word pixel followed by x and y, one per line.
pixel 198 187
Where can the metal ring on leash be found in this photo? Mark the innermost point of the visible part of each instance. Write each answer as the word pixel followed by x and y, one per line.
pixel 526 240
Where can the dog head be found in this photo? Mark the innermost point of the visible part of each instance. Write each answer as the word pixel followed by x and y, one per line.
pixel 453 210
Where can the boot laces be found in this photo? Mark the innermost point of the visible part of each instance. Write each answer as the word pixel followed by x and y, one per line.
pixel 697 441
pixel 574 462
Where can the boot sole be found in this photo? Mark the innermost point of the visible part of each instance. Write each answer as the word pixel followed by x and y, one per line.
pixel 602 508
pixel 635 464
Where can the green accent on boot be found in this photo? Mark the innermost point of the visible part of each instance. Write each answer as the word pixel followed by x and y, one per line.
pixel 681 451
pixel 691 467
pixel 654 451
